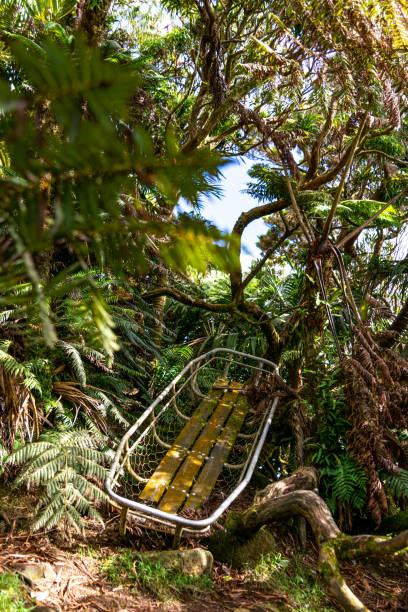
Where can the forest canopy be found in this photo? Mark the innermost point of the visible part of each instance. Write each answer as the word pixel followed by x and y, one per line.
pixel 111 116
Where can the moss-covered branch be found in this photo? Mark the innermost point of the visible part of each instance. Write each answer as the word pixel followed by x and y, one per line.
pixel 354 547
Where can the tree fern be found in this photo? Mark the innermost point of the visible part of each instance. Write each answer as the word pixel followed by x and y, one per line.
pixel 5 315
pixel 92 355
pixel 291 355
pixel 3 457
pixel 62 416
pixel 66 464
pixel 172 362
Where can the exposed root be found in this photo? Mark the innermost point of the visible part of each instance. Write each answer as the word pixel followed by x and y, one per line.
pixel 282 502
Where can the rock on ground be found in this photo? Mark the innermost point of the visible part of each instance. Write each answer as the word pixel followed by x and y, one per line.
pixel 194 562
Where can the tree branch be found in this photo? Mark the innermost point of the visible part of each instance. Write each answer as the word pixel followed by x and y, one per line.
pixel 350 157
pixel 315 153
pixel 186 95
pixel 256 213
pixel 265 258
pixel 264 322
pixel 312 507
pixel 188 300
pixel 397 327
pixel 268 209
pixel 329 175
pixel 390 157
pixel 354 547
pixel 308 232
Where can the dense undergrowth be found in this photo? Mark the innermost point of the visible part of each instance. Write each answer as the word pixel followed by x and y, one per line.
pixel 112 125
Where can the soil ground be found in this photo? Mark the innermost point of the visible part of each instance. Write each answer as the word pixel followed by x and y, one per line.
pixel 79 583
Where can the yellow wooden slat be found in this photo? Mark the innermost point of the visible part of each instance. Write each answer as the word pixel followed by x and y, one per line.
pixel 220 383
pixel 215 462
pixel 158 482
pixel 180 486
pixel 224 383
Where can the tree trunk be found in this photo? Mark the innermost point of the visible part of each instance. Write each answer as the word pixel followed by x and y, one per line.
pixel 159 304
pixel 92 19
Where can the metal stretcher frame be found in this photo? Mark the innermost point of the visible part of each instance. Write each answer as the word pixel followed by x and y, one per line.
pixel 173 519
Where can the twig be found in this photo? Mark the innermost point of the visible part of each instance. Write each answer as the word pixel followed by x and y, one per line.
pixel 265 258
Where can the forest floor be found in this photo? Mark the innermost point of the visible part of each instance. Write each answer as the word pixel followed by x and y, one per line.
pixel 98 572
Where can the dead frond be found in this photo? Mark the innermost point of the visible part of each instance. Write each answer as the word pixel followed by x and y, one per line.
pixel 81 401
pixel 19 412
pixel 377 390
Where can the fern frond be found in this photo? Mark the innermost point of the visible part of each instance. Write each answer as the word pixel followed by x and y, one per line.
pixel 75 359
pixel 29 451
pixel 398 484
pixel 348 482
pixel 48 518
pixel 65 463
pixel 5 315
pixel 74 518
pixel 36 467
pixel 94 514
